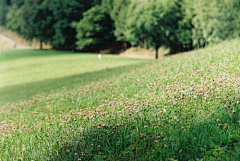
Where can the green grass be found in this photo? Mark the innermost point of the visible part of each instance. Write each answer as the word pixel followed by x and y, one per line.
pixel 25 66
pixel 183 107
pixel 25 73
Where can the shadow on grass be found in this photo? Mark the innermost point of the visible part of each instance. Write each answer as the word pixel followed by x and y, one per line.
pixel 23 92
pixel 199 140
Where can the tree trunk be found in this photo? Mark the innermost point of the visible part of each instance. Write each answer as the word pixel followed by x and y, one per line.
pixel 125 45
pixel 41 45
pixel 156 52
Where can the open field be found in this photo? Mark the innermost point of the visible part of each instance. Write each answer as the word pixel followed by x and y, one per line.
pixel 32 71
pixel 183 107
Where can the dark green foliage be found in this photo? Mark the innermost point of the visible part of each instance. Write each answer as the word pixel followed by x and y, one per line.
pixel 63 13
pixel 19 3
pixel 215 21
pixel 43 22
pixel 48 20
pixel 3 11
pixel 179 25
pixel 20 19
pixel 118 12
pixel 184 31
pixel 155 23
pixel 95 30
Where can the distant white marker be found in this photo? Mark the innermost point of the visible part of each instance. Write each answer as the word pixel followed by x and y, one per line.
pixel 99 56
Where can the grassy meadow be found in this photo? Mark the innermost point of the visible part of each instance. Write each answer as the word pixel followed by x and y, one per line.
pixel 182 107
pixel 32 71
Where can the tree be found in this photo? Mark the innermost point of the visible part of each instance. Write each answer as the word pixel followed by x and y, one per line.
pixel 185 27
pixel 64 13
pixel 215 21
pixel 19 19
pixel 119 16
pixel 42 22
pixel 95 30
pixel 155 22
pixel 4 7
pixel 48 20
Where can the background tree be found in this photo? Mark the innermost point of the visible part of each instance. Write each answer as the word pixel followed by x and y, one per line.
pixel 64 13
pixel 155 22
pixel 48 20
pixel 185 27
pixel 19 19
pixel 215 21
pixel 95 30
pixel 4 8
pixel 42 21
pixel 118 12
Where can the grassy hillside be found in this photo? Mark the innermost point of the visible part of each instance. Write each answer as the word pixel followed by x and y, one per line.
pixel 27 72
pixel 184 107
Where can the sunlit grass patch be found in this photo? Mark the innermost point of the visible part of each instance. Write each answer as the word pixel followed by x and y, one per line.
pixel 25 66
pixel 24 73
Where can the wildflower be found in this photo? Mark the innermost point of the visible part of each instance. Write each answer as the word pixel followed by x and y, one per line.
pixel 158 137
pixel 75 154
pixel 218 120
pixel 165 146
pixel 234 112
pixel 182 128
pixel 155 141
pixel 91 144
pixel 155 127
pixel 79 159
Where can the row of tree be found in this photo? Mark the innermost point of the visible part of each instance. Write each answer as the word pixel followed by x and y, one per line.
pixel 96 24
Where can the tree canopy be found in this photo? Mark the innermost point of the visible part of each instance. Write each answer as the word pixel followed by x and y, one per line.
pixel 95 29
pixel 179 25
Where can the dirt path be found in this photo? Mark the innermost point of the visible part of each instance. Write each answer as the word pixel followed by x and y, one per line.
pixel 17 46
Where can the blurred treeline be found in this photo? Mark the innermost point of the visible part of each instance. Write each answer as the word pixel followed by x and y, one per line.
pixel 94 25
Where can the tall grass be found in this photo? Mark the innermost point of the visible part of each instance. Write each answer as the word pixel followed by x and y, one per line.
pixel 184 107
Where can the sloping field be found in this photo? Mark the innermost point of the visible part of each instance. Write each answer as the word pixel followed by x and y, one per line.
pixel 25 66
pixel 183 107
pixel 27 72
